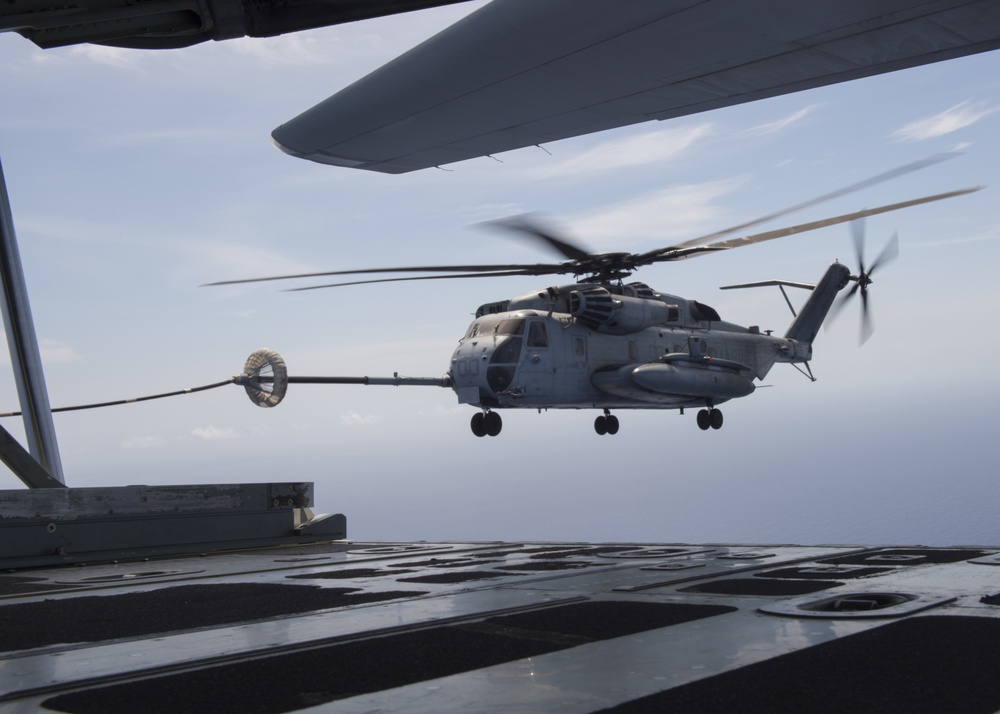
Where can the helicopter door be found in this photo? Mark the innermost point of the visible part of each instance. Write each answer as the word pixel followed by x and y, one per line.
pixel 536 365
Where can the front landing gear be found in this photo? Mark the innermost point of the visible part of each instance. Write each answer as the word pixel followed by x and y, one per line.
pixel 606 424
pixel 709 418
pixel 486 423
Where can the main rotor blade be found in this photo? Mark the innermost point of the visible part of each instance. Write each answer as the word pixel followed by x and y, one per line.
pixel 680 253
pixel 914 166
pixel 540 268
pixel 416 277
pixel 522 224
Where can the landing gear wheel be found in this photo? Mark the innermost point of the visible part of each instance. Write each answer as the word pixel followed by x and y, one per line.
pixel 601 425
pixel 704 420
pixel 715 417
pixel 478 425
pixel 612 424
pixel 493 423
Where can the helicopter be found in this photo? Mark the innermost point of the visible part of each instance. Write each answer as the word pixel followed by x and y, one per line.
pixel 606 344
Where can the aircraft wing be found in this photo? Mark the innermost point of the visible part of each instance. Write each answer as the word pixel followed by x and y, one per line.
pixel 517 73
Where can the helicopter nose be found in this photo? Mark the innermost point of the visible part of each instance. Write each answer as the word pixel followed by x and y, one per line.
pixel 468 373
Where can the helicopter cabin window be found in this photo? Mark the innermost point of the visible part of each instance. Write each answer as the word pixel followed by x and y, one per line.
pixel 537 334
pixel 633 350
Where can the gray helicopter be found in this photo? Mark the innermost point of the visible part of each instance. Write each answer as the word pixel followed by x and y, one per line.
pixel 601 343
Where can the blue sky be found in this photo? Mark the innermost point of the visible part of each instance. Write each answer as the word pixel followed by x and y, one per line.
pixel 134 177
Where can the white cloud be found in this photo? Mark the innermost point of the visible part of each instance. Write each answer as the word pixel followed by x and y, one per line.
pixel 628 152
pixel 951 119
pixel 111 56
pixel 667 215
pixel 231 261
pixel 355 419
pixel 52 352
pixel 353 48
pixel 143 442
pixel 215 433
pixel 985 233
pixel 90 54
pixel 779 125
pixel 178 137
pixel 55 352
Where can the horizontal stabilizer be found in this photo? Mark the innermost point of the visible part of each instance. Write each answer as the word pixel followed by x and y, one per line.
pixel 771 283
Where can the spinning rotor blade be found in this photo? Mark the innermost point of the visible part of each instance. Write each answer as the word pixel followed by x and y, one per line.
pixel 902 170
pixel 522 224
pixel 680 253
pixel 889 253
pixel 475 270
pixel 863 279
pixel 507 273
pixel 601 267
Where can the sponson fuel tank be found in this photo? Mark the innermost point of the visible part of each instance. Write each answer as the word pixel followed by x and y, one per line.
pixel 675 378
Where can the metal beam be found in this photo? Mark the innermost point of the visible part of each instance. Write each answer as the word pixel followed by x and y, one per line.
pixel 25 356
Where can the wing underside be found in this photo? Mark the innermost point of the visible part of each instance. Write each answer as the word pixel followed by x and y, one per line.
pixel 518 73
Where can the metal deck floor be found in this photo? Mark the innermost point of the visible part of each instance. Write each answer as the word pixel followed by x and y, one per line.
pixel 187 633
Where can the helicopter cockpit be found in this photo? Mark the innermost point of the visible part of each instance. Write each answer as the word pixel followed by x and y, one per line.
pixel 506 354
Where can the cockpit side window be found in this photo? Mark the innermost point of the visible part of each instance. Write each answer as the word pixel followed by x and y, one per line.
pixel 510 327
pixel 537 334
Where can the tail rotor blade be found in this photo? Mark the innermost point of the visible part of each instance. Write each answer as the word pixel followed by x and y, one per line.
pixel 889 253
pixel 867 328
pixel 858 233
pixel 838 306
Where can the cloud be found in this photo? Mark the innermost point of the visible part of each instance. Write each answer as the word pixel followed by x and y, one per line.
pixel 177 137
pixel 55 352
pixel 111 56
pixel 292 50
pixel 52 352
pixel 224 260
pixel 355 419
pixel 628 152
pixel 351 49
pixel 668 215
pixel 91 54
pixel 985 233
pixel 777 126
pixel 952 119
pixel 143 442
pixel 215 433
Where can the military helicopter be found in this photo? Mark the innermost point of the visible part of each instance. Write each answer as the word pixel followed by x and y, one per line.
pixel 601 343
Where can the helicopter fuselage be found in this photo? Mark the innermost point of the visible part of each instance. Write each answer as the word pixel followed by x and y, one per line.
pixel 597 346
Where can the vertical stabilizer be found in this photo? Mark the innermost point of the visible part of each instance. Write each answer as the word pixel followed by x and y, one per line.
pixel 806 326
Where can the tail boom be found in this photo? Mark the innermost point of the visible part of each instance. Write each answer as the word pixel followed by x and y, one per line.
pixel 806 325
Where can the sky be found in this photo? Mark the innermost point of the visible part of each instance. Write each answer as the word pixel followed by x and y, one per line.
pixel 135 177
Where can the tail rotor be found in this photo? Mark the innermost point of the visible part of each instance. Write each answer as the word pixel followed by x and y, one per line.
pixel 864 277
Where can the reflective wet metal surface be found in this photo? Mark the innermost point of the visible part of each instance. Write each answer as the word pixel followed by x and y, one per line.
pixel 461 626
